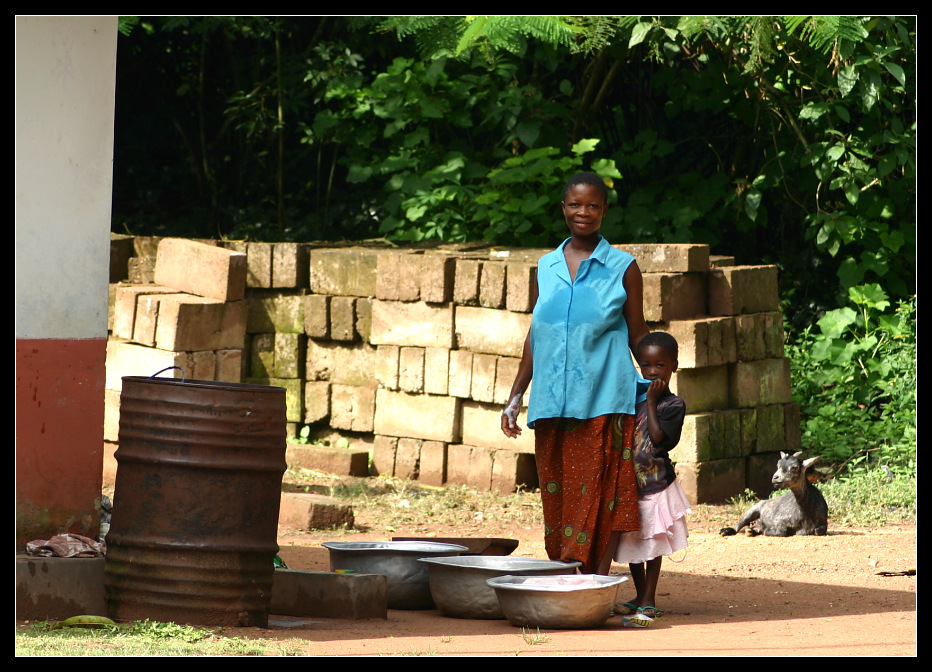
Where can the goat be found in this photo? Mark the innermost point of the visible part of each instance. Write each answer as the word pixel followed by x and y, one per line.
pixel 801 511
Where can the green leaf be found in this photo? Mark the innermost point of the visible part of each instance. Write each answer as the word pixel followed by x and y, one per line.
pixel 639 33
pixel 585 145
pixel 897 72
pixel 847 80
pixel 834 323
pixel 871 296
pixel 752 203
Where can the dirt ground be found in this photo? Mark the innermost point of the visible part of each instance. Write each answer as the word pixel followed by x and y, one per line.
pixel 846 594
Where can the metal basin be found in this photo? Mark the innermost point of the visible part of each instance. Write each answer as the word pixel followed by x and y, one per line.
pixel 408 579
pixel 581 601
pixel 458 584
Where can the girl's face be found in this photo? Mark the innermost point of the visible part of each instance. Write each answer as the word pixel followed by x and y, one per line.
pixel 656 363
pixel 584 207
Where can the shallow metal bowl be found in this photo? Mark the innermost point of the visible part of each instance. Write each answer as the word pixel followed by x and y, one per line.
pixel 584 601
pixel 458 584
pixel 408 579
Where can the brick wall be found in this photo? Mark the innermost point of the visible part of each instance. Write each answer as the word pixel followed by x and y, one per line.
pixel 409 354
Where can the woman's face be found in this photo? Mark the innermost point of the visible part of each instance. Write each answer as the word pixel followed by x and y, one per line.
pixel 584 207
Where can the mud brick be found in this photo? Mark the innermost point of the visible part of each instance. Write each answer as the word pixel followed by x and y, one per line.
pixel 111 415
pixel 317 315
pixel 407 459
pixel 131 359
pixel 274 311
pixel 432 468
pixel 345 271
pixel 521 287
pixel 398 276
pixel 512 471
pixel 417 416
pixel 483 377
pixel 670 297
pixel 259 265
pixel 669 258
pixel 383 455
pixel 749 438
pixel 701 431
pixel 436 370
pixel 329 459
pixel 411 370
pixel 730 444
pixel 712 482
pixel 770 431
pixel 343 318
pixel 460 379
pixel 458 459
pixel 346 365
pixel 141 270
pixel 469 465
pixel 759 471
pixel 125 302
pixel 229 364
pixel 759 383
pixel 306 511
pixel 290 265
pixel 121 249
pixel 792 432
pixel 735 290
pixel 466 281
pixel 505 371
pixel 482 426
pixel 759 335
pixel 490 331
pixel 704 389
pixel 386 366
pixel 290 355
pixel 316 401
pixel 261 356
pixel 363 318
pixel 198 268
pixel 147 319
pixel 352 407
pixel 418 323
pixel 437 278
pixel 492 285
pixel 294 395
pixel 187 322
pixel 704 342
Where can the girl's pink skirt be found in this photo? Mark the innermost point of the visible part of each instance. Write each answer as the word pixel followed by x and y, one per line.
pixel 663 527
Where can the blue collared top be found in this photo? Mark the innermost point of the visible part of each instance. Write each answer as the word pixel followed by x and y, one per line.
pixel 579 338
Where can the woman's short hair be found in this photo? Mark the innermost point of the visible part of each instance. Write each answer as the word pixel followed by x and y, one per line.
pixel 590 179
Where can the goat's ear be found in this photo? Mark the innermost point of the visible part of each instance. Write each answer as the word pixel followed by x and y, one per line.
pixel 812 460
pixel 797 453
pixel 782 455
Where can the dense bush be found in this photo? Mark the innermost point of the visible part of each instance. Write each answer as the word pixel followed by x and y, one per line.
pixel 854 377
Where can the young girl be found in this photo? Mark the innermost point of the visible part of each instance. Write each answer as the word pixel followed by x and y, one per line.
pixel 662 504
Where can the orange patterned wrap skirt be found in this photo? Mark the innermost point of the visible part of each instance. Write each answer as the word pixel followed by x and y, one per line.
pixel 587 485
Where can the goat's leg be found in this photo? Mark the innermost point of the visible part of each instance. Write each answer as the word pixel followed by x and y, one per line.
pixel 751 515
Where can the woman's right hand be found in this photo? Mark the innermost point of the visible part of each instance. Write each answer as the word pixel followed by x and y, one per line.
pixel 510 418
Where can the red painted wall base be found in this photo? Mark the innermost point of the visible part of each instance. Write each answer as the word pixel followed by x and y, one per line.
pixel 59 436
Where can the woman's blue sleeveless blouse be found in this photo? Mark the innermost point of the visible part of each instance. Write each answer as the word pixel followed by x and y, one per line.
pixel 579 339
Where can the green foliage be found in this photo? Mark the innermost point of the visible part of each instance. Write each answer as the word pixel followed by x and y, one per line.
pixel 855 381
pixel 787 140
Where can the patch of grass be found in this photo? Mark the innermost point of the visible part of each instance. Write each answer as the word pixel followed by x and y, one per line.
pixel 872 497
pixel 531 638
pixel 141 638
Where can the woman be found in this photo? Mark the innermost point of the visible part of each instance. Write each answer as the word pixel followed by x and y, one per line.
pixel 588 314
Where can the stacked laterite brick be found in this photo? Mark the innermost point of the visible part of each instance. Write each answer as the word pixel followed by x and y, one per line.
pixel 409 355
pixel 187 310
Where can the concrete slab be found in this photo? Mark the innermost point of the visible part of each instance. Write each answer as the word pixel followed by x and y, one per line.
pixel 329 595
pixel 58 588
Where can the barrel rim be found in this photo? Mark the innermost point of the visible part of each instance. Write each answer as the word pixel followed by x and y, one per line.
pixel 209 384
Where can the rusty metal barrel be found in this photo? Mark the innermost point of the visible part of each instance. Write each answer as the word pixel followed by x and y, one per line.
pixel 194 530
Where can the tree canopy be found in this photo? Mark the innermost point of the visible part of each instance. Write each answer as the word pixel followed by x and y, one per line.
pixel 787 140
